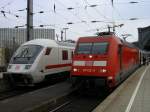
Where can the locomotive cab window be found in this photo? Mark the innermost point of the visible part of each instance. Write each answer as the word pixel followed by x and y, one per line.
pixel 26 54
pixel 99 48
pixel 92 48
pixel 84 48
pixel 64 55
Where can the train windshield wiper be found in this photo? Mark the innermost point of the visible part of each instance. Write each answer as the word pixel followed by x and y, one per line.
pixel 24 54
pixel 28 57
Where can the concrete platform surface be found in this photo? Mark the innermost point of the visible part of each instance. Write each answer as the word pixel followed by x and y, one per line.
pixel 131 96
pixel 28 101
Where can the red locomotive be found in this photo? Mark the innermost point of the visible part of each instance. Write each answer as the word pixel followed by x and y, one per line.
pixel 105 60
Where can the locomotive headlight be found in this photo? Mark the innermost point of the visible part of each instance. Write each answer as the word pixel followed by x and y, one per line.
pixel 104 70
pixel 90 56
pixel 28 67
pixel 110 78
pixel 75 70
pixel 9 66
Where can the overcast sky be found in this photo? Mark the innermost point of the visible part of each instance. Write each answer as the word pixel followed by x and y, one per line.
pixel 81 13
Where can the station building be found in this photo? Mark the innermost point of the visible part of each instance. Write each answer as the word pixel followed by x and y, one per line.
pixel 11 38
pixel 144 38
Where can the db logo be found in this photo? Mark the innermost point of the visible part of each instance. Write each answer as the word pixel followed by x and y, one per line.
pixel 89 63
pixel 17 67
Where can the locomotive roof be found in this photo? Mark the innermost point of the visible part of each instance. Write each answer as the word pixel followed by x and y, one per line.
pixel 97 38
pixel 102 35
pixel 105 38
pixel 49 43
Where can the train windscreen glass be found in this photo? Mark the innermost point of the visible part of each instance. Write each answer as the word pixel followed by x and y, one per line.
pixel 99 48
pixel 84 48
pixel 26 54
pixel 92 48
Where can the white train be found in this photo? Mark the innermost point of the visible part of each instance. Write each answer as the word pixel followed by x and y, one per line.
pixel 37 59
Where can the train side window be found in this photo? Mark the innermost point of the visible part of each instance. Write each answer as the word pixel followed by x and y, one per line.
pixel 48 50
pixel 65 55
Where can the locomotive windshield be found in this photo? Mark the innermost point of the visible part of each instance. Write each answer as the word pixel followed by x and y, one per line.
pixel 92 48
pixel 84 48
pixel 26 54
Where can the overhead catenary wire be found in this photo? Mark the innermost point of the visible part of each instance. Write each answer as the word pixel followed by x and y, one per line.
pixel 59 27
pixel 88 16
pixel 94 7
pixel 67 18
pixel 50 11
pixel 43 19
pixel 115 9
pixel 61 15
pixel 7 4
pixel 8 12
pixel 54 25
pixel 73 14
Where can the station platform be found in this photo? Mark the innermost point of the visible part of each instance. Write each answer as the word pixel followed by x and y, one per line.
pixel 33 100
pixel 133 95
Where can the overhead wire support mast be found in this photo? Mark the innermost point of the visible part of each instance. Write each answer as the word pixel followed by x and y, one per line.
pixel 29 20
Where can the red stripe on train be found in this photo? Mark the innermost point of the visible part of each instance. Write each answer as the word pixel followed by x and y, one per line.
pixel 57 66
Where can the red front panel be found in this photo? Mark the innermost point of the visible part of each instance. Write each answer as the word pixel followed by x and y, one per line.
pixel 98 65
pixel 89 71
pixel 90 65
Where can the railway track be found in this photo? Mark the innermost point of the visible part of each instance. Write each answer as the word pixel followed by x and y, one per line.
pixel 12 92
pixel 84 102
pixel 78 100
